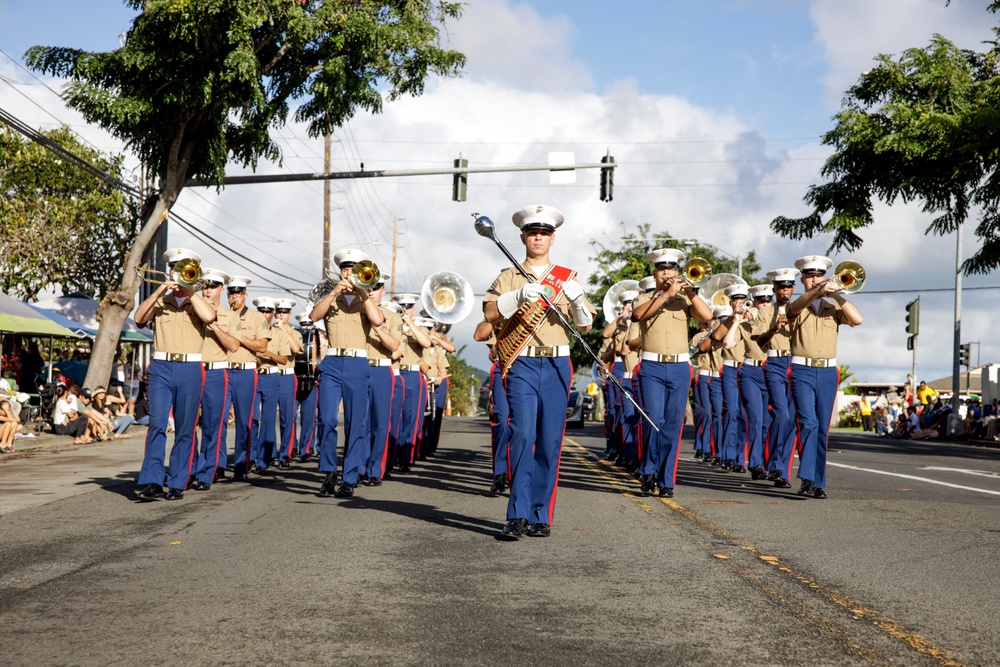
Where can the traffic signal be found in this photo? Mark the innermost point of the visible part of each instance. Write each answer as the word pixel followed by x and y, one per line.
pixel 909 343
pixel 607 178
pixel 459 182
pixel 913 317
pixel 963 354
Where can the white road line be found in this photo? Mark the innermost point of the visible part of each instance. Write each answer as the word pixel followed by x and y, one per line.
pixel 982 473
pixel 918 479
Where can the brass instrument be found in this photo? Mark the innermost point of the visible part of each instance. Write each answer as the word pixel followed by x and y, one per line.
pixel 365 275
pixel 696 271
pixel 186 273
pixel 849 276
pixel 713 291
pixel 610 303
pixel 447 297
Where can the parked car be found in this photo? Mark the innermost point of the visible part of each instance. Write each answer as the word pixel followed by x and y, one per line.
pixel 483 404
pixel 580 407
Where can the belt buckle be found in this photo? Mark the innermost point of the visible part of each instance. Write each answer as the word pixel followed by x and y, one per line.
pixel 545 352
pixel 817 363
pixel 671 358
pixel 174 356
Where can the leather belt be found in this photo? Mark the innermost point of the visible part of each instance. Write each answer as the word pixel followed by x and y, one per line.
pixel 779 353
pixel 346 352
pixel 545 351
pixel 409 367
pixel 287 371
pixel 710 374
pixel 750 361
pixel 814 363
pixel 626 376
pixel 732 363
pixel 246 366
pixel 215 365
pixel 379 363
pixel 268 370
pixel 666 358
pixel 174 356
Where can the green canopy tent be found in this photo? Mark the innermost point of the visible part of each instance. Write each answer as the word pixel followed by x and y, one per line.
pixel 17 317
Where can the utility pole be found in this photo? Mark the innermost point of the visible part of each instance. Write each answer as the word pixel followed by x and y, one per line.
pixel 392 275
pixel 954 424
pixel 326 207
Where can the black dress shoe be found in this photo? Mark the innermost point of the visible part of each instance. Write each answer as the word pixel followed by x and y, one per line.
pixel 782 483
pixel 514 529
pixel 727 464
pixel 496 488
pixel 648 484
pixel 304 458
pixel 220 475
pixel 259 470
pixel 345 490
pixel 329 486
pixel 717 461
pixel 806 488
pixel 819 492
pixel 404 467
pixel 757 472
pixel 774 476
pixel 665 492
pixel 373 481
pixel 151 492
pixel 199 486
pixel 698 456
pixel 739 469
pixel 238 477
pixel 284 465
pixel 539 530
pixel 191 481
pixel 174 494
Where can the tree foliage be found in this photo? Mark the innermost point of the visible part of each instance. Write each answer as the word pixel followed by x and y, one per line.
pixel 60 225
pixel 198 83
pixel 924 127
pixel 625 259
pixel 463 385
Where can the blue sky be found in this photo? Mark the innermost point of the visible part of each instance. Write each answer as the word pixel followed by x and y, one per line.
pixel 714 110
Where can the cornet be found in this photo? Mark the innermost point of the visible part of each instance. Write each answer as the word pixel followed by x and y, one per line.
pixel 186 273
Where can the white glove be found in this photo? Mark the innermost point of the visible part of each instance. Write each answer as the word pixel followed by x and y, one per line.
pixel 573 290
pixel 509 302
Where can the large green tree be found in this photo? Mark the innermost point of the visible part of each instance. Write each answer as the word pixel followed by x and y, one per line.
pixel 60 225
pixel 923 127
pixel 199 84
pixel 626 260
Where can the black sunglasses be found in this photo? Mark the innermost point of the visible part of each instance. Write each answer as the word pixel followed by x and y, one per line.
pixel 763 298
pixel 265 310
pixel 237 290
pixel 212 285
pixel 784 283
pixel 666 265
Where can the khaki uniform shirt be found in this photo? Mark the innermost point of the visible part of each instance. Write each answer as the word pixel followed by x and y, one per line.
pixel 277 345
pixel 714 356
pixel 666 330
pixel 346 324
pixel 250 325
pixel 700 360
pixel 393 325
pixel 781 340
pixel 750 347
pixel 297 337
pixel 814 335
pixel 212 350
pixel 413 352
pixel 177 329
pixel 435 357
pixel 630 360
pixel 551 331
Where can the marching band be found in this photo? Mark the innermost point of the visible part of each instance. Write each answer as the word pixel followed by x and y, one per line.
pixel 759 375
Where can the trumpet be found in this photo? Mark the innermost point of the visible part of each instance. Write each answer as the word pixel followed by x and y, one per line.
pixel 186 273
pixel 696 271
pixel 849 276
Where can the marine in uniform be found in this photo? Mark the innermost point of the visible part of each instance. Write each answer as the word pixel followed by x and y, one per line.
pixel 665 374
pixel 411 410
pixel 814 374
pixel 773 336
pixel 753 390
pixel 307 391
pixel 711 347
pixel 288 384
pixel 612 394
pixel 533 345
pixel 734 427
pixel 702 405
pixel 437 362
pixel 628 360
pixel 253 333
pixel 220 340
pixel 383 341
pixel 178 316
pixel 499 413
pixel 348 315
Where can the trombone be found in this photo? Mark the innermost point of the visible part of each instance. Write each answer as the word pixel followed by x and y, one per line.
pixel 849 276
pixel 186 273
pixel 696 271
pixel 364 276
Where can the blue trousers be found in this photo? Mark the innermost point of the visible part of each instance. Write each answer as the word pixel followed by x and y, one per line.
pixel 734 427
pixel 814 391
pixel 753 391
pixel 344 378
pixel 307 421
pixel 418 429
pixel 715 399
pixel 265 444
pixel 380 388
pixel 613 432
pixel 287 386
pixel 664 388
pixel 432 427
pixel 214 415
pixel 177 385
pixel 629 419
pixel 703 437
pixel 781 435
pixel 499 423
pixel 609 413
pixel 411 416
pixel 396 423
pixel 243 398
pixel 538 394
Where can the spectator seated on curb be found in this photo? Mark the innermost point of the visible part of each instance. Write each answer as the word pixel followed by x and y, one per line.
pixel 972 425
pixel 10 425
pixel 106 403
pixel 883 423
pixel 913 429
pixel 66 418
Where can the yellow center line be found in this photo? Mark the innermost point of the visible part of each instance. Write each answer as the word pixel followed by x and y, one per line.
pixel 896 630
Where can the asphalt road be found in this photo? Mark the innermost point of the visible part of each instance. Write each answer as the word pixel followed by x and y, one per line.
pixel 897 567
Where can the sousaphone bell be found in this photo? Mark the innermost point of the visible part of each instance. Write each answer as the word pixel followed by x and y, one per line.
pixel 610 303
pixel 713 291
pixel 447 297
